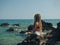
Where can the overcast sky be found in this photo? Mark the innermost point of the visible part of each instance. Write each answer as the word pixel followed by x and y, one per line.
pixel 26 9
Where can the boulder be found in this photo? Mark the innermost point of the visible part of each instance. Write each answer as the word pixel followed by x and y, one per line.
pixel 4 24
pixel 58 25
pixel 55 38
pixel 46 26
pixel 30 27
pixel 10 29
pixel 58 30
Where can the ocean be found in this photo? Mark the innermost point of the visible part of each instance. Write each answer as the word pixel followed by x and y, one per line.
pixel 12 38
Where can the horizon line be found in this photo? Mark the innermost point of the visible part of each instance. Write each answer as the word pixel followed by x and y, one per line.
pixel 8 19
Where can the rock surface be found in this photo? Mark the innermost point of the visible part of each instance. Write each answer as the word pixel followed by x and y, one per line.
pixel 16 25
pixel 4 24
pixel 10 29
pixel 32 39
pixel 51 38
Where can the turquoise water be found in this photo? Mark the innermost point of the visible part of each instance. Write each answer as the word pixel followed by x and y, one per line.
pixel 12 38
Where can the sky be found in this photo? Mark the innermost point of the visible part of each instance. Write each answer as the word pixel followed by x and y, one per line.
pixel 26 9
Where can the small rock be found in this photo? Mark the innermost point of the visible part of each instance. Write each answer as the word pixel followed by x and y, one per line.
pixel 10 29
pixel 4 24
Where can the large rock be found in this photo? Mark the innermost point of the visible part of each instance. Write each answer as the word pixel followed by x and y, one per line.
pixel 58 31
pixel 58 25
pixel 46 26
pixel 55 38
pixel 33 39
pixel 30 27
pixel 4 24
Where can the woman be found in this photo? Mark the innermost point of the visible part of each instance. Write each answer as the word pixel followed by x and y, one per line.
pixel 38 27
pixel 37 24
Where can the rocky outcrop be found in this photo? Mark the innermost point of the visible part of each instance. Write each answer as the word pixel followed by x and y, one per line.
pixel 32 39
pixel 51 38
pixel 47 26
pixel 4 24
pixel 55 36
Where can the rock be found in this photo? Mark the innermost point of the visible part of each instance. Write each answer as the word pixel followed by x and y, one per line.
pixel 49 35
pixel 4 24
pixel 30 27
pixel 19 44
pixel 10 29
pixel 22 32
pixel 58 25
pixel 16 25
pixel 33 39
pixel 49 24
pixel 58 31
pixel 46 26
pixel 55 38
pixel 25 32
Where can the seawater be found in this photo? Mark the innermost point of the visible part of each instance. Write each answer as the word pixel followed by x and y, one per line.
pixel 12 38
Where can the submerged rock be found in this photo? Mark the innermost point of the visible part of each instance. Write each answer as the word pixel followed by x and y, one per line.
pixel 10 29
pixel 22 32
pixel 30 29
pixel 4 24
pixel 16 25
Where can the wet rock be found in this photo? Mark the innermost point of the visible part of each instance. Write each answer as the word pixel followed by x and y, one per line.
pixel 10 29
pixel 23 32
pixel 19 44
pixel 16 25
pixel 30 28
pixel 4 24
